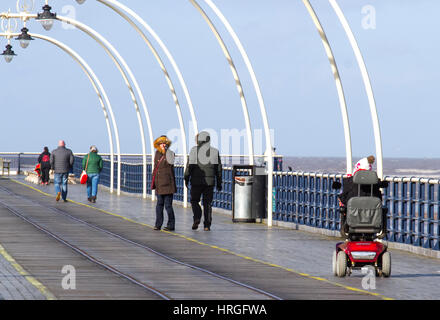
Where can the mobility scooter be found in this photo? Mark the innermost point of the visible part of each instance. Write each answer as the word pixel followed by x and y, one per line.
pixel 364 219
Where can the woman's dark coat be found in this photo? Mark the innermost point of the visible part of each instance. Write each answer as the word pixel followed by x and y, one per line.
pixel 164 180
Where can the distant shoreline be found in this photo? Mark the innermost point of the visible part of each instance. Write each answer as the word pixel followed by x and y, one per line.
pixel 402 167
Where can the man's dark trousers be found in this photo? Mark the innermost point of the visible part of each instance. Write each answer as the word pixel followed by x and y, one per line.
pixel 208 195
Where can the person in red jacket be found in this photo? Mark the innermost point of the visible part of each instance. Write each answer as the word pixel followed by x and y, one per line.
pixel 44 161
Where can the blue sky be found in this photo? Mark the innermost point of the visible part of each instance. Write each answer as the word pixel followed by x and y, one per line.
pixel 45 96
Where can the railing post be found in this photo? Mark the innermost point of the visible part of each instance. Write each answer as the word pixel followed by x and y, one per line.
pixel 19 167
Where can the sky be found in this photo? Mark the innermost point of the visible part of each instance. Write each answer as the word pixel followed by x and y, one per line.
pixel 45 96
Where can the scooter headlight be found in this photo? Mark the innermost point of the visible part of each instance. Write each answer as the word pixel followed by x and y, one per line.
pixel 363 255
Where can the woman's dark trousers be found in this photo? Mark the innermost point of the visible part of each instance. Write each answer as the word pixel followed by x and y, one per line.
pixel 45 174
pixel 165 200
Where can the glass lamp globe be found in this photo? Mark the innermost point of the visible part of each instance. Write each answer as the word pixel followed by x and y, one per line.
pixel 8 58
pixel 24 43
pixel 47 24
pixel 8 54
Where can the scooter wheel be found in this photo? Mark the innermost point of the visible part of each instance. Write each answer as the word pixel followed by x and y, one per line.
pixel 334 264
pixel 341 264
pixel 386 264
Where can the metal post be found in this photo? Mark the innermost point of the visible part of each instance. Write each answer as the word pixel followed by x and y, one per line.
pixel 19 168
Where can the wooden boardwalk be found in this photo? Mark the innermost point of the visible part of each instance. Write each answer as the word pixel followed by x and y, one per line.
pixel 118 259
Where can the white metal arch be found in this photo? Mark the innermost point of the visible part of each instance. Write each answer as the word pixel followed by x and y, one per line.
pixel 339 87
pixel 116 4
pixel 367 84
pixel 236 78
pixel 119 8
pixel 109 48
pixel 101 93
pixel 125 72
pixel 269 147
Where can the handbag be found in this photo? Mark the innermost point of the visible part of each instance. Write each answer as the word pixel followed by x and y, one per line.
pixel 83 177
pixel 153 180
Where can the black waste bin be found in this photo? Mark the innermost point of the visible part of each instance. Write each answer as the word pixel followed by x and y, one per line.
pixel 248 193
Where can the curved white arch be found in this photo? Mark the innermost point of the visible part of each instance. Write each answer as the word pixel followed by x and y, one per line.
pixel 367 84
pixel 263 111
pixel 170 57
pixel 109 48
pixel 339 87
pixel 236 78
pixel 117 7
pixel 101 93
pixel 123 69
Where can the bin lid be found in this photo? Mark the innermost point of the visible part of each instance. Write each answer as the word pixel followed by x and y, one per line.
pixel 243 180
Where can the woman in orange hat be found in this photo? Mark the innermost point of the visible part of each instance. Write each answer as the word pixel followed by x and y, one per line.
pixel 164 182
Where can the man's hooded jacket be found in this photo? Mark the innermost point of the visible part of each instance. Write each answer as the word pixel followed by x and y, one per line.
pixel 204 166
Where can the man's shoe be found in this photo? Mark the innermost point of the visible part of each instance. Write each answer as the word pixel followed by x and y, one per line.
pixel 168 229
pixel 89 199
pixel 207 229
pixel 156 228
pixel 195 226
pixel 58 196
pixel 65 200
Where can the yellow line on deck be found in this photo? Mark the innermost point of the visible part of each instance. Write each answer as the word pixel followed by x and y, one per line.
pixel 37 284
pixel 221 249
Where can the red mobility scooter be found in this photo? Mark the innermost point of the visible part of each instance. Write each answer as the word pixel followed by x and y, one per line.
pixel 365 229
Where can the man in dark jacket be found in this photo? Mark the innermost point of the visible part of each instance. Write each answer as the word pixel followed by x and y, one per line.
pixel 204 171
pixel 61 161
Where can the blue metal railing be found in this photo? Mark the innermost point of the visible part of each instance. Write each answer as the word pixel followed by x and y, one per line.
pixel 305 198
pixel 413 203
pixel 413 216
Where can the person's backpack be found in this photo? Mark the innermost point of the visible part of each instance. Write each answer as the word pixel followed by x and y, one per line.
pixel 46 158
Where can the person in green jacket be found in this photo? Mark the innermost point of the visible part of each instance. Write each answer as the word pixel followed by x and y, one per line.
pixel 92 163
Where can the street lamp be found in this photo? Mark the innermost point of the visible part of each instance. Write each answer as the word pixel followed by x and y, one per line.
pixel 80 1
pixel 24 38
pixel 8 54
pixel 46 17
